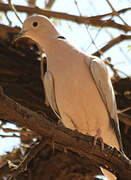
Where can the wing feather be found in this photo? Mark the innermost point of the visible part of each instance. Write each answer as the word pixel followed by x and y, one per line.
pixel 104 86
pixel 50 92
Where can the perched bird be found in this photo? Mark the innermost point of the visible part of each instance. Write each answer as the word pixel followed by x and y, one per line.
pixel 78 86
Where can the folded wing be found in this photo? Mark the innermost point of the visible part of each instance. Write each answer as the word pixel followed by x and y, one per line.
pixel 104 86
pixel 50 92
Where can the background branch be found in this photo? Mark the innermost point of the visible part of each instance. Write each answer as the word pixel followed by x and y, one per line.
pixel 111 43
pixel 79 19
pixel 13 9
pixel 115 12
pixel 49 4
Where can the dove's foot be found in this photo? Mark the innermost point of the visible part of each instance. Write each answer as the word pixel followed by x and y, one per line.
pixel 98 136
pixel 65 150
pixel 60 123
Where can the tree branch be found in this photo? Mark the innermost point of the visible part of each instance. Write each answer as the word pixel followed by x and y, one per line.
pixel 125 118
pixel 110 158
pixel 115 12
pixel 34 149
pixel 13 9
pixel 49 4
pixel 111 43
pixel 94 21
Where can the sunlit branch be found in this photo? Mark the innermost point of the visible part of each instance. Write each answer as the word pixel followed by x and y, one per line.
pixel 94 21
pixel 113 42
pixel 13 9
pixel 8 130
pixel 9 136
pixel 49 4
pixel 115 12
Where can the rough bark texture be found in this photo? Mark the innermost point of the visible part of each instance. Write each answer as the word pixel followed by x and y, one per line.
pixel 58 153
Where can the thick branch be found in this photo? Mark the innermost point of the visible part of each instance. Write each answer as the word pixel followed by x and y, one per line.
pixel 94 21
pixel 5 7
pixel 111 43
pixel 110 158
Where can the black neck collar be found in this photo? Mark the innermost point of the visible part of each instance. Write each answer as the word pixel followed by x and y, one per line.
pixel 61 37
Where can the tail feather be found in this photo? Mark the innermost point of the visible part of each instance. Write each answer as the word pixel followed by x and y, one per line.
pixel 108 174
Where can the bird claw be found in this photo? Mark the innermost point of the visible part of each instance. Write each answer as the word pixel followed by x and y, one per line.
pixel 53 145
pixel 46 102
pixel 98 136
pixel 65 150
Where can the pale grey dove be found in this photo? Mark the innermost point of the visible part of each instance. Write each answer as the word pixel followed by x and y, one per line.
pixel 78 86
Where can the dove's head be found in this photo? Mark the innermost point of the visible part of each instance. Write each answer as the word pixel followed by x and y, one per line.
pixel 38 28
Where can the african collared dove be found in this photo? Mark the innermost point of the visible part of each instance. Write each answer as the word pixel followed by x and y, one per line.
pixel 77 86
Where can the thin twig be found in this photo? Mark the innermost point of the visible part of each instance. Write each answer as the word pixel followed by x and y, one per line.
pixel 49 4
pixel 125 118
pixel 124 110
pixel 115 71
pixel 10 22
pixel 108 62
pixel 95 37
pixel 87 27
pixel 113 42
pixel 9 136
pixel 15 11
pixel 115 12
pixel 7 130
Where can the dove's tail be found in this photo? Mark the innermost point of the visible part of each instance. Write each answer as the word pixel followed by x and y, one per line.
pixel 108 174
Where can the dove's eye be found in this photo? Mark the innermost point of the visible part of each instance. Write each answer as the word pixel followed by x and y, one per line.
pixel 35 24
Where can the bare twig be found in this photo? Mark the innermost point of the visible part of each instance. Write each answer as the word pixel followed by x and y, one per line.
pixel 31 3
pixel 94 21
pixel 124 110
pixel 112 43
pixel 115 12
pixel 49 4
pixel 108 62
pixel 7 130
pixel 115 71
pixel 92 40
pixel 9 136
pixel 95 37
pixel 10 22
pixel 13 8
pixel 125 118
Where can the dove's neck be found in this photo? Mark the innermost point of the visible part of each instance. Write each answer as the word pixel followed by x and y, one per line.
pixel 45 39
pixel 58 47
pixel 62 53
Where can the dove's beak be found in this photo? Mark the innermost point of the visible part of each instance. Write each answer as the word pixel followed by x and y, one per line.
pixel 20 35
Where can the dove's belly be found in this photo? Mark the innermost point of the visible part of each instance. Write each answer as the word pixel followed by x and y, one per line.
pixel 79 100
pixel 80 103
